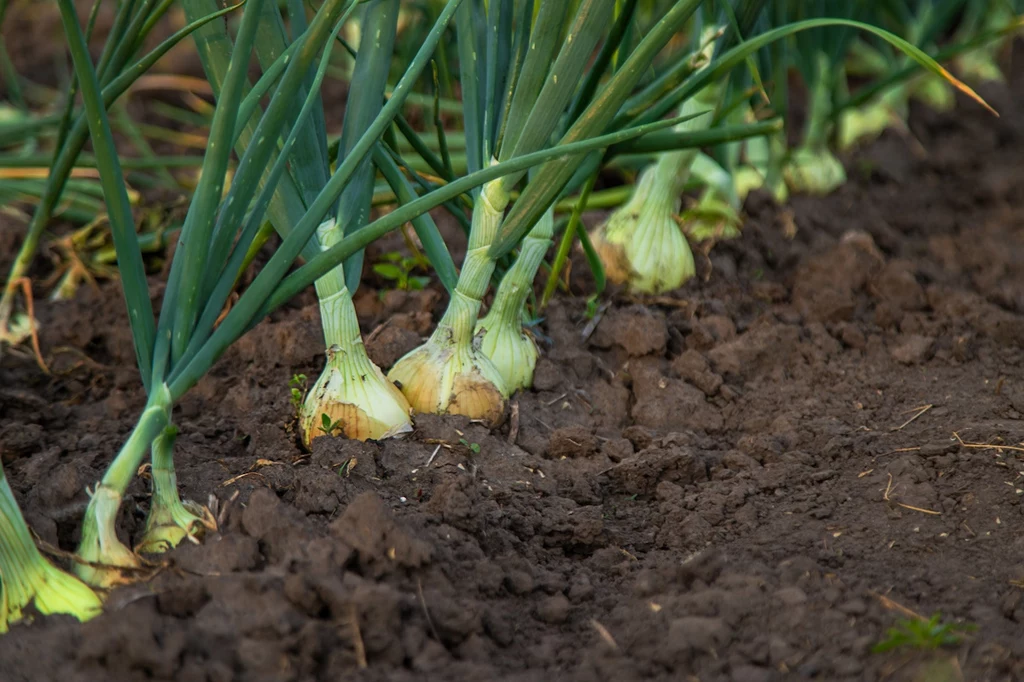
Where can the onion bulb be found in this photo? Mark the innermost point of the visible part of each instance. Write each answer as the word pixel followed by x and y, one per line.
pixel 452 379
pixel 934 91
pixel 28 578
pixel 641 244
pixel 980 66
pixel 865 123
pixel 814 170
pixel 170 519
pixel 449 374
pixel 712 219
pixel 502 337
pixel 352 396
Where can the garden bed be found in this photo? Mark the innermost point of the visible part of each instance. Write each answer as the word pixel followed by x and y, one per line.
pixel 750 480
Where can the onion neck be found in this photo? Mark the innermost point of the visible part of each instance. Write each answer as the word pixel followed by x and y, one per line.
pixel 488 210
pixel 457 325
pixel 337 312
pixel 820 107
pixel 155 417
pixel 459 321
pixel 340 322
pixel 663 183
pixel 517 283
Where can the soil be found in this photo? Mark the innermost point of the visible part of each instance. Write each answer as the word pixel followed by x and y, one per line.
pixel 749 480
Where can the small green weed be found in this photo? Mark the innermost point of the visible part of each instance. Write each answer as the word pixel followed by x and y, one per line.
pixel 474 447
pixel 297 385
pixel 398 269
pixel 923 635
pixel 327 426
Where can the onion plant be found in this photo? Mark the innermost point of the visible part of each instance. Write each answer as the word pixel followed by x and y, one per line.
pixel 641 244
pixel 681 84
pixel 923 23
pixel 979 30
pixel 999 18
pixel 27 578
pixel 503 338
pixel 175 350
pixel 352 396
pixel 813 168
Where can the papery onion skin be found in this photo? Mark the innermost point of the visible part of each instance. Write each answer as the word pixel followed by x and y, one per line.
pixel 450 375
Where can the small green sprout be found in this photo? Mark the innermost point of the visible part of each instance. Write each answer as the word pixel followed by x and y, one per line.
pixel 328 426
pixel 923 635
pixel 474 447
pixel 297 386
pixel 398 269
pixel 347 466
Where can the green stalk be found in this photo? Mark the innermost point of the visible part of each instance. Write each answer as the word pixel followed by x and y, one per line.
pixel 170 520
pixel 477 268
pixel 259 294
pixel 201 230
pixel 552 177
pixel 63 161
pixel 122 225
pixel 820 105
pixel 108 560
pixel 26 577
pixel 573 228
pixel 380 25
pixel 292 284
pixel 277 197
pixel 813 168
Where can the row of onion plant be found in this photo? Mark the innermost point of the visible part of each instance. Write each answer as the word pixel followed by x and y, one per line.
pixel 178 346
pixel 643 244
pixel 978 32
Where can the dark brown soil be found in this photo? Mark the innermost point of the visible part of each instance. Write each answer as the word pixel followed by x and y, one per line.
pixel 749 481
